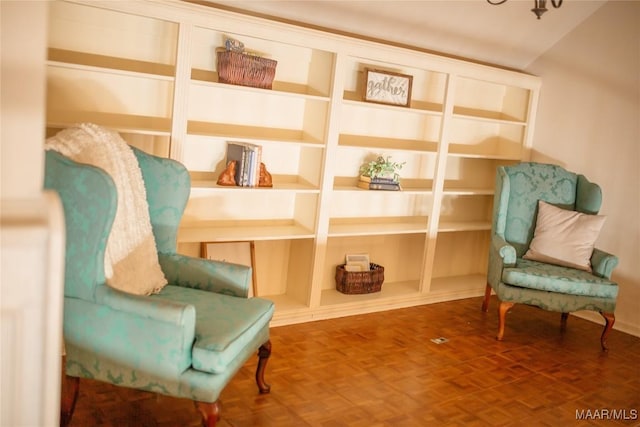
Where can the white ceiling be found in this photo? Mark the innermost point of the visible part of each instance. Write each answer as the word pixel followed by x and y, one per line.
pixel 508 35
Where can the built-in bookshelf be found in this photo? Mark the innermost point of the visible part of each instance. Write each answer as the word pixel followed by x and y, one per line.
pixel 148 69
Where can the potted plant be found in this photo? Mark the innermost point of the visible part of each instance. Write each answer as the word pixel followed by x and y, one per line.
pixel 382 169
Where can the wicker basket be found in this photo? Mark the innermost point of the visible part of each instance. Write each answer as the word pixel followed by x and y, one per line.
pixel 245 70
pixel 359 282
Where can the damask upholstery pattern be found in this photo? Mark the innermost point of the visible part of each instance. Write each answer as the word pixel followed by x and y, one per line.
pixel 167 183
pixel 530 183
pixel 188 340
pixel 554 278
pixel 208 275
pixel 224 324
pixel 551 287
pixel 87 224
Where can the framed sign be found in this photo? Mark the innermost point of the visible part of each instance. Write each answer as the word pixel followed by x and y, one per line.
pixel 385 87
pixel 242 253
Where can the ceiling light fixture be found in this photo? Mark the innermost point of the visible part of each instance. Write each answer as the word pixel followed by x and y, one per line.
pixel 539 6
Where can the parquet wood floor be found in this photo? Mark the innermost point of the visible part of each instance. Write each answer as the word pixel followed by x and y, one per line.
pixel 382 369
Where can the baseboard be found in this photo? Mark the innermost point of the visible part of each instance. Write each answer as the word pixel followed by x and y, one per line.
pixel 625 327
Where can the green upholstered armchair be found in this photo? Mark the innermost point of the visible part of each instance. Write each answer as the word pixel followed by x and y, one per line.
pixel 552 287
pixel 187 341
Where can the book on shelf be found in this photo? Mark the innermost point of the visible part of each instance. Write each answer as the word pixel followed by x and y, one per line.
pixel 378 179
pixel 379 183
pixel 247 157
pixel 389 186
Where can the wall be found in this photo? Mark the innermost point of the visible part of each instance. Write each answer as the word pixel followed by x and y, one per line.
pixel 22 98
pixel 31 227
pixel 589 122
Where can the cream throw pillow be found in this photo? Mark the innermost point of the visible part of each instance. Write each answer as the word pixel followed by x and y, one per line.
pixel 564 237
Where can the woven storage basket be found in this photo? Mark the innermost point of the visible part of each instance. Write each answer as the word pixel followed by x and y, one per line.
pixel 359 282
pixel 245 70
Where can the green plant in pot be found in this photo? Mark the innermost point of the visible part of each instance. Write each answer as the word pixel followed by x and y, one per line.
pixel 383 168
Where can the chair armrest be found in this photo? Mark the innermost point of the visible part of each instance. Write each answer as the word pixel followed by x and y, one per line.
pixel 162 310
pixel 123 329
pixel 603 263
pixel 506 251
pixel 213 276
pixel 501 254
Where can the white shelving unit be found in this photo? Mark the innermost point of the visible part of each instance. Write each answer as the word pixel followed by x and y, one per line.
pixel 148 69
pixel 114 69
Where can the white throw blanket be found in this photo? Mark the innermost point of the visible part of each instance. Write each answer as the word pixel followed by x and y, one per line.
pixel 131 261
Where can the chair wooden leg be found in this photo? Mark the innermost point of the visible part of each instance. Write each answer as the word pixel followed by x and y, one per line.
pixel 210 412
pixel 502 314
pixel 70 387
pixel 487 296
pixel 563 321
pixel 609 319
pixel 263 357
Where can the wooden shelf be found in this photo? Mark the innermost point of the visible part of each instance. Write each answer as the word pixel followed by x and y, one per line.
pixel 454 190
pixel 365 226
pixel 193 230
pixel 389 293
pixel 118 122
pixel 475 152
pixel 409 186
pixel 104 63
pixel 252 134
pixel 494 100
pixel 416 107
pixel 373 142
pixel 280 183
pixel 446 226
pixel 484 115
pixel 210 78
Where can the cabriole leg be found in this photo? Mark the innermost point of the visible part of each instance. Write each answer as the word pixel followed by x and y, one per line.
pixel 70 387
pixel 263 357
pixel 609 319
pixel 487 296
pixel 502 314
pixel 563 321
pixel 210 412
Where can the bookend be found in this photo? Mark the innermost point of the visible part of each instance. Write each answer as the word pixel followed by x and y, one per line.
pixel 227 177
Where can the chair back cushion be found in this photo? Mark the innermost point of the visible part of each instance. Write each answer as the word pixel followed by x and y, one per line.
pixel 89 199
pixel 168 186
pixel 520 187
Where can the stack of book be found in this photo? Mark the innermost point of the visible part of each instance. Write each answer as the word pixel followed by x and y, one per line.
pixel 379 183
pixel 247 157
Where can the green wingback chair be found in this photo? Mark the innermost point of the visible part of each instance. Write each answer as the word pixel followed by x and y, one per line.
pixel 187 341
pixel 517 280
